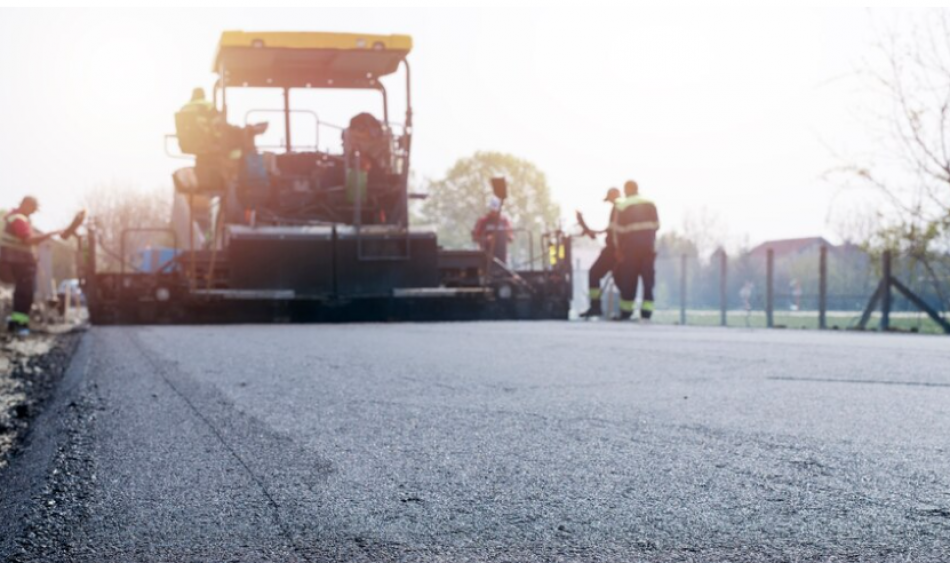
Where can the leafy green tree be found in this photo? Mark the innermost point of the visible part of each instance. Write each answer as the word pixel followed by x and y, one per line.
pixel 456 201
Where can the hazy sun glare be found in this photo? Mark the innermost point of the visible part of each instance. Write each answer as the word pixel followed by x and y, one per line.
pixel 734 111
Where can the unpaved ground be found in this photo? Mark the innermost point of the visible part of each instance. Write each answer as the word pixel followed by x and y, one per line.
pixel 29 371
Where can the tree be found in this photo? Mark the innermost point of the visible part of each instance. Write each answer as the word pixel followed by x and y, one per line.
pixel 456 201
pixel 672 244
pixel 705 229
pixel 910 168
pixel 115 209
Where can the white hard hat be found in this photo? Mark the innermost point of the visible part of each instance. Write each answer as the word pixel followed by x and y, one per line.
pixel 494 204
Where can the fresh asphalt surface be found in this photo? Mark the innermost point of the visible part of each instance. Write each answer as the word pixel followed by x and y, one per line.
pixel 497 441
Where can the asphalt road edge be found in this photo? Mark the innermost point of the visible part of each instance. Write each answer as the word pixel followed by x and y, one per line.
pixel 37 474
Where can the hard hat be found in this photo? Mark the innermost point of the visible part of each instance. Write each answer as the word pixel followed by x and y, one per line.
pixel 612 194
pixel 494 204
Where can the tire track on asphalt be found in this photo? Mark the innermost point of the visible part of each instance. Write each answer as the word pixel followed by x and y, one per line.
pixel 860 381
pixel 160 369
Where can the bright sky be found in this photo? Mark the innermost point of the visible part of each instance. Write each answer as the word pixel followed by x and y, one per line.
pixel 738 111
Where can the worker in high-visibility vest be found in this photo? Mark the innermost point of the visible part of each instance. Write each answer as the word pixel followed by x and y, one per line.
pixel 18 261
pixel 199 103
pixel 605 261
pixel 198 125
pixel 635 227
pixel 202 130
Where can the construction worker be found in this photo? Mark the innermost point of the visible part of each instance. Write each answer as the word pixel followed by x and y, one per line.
pixel 493 231
pixel 636 224
pixel 199 102
pixel 605 261
pixel 196 125
pixel 217 145
pixel 203 130
pixel 18 261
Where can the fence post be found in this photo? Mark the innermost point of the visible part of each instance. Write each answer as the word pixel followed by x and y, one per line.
pixel 769 288
pixel 723 259
pixel 886 288
pixel 89 271
pixel 79 258
pixel 683 289
pixel 530 251
pixel 823 287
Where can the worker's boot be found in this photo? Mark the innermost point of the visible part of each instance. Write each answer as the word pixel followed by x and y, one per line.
pixel 17 328
pixel 593 311
pixel 623 316
pixel 646 312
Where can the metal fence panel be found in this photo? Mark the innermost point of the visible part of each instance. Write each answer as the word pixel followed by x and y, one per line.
pixel 819 287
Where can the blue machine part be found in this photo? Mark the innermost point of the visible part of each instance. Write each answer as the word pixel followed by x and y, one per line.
pixel 156 260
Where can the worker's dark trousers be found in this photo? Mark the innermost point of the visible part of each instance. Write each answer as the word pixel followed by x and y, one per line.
pixel 24 275
pixel 637 265
pixel 602 266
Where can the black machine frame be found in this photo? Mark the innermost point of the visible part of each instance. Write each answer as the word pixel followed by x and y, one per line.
pixel 220 100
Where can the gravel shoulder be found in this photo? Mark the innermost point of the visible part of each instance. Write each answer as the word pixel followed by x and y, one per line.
pixel 30 369
pixel 34 398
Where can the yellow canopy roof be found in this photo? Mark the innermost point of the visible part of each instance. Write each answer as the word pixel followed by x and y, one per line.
pixel 308 59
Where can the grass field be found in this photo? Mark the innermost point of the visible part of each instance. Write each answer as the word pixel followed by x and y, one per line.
pixel 840 320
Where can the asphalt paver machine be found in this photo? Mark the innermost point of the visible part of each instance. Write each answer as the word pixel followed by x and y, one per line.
pixel 305 233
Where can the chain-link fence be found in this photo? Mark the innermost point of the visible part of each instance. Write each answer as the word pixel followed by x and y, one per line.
pixel 821 287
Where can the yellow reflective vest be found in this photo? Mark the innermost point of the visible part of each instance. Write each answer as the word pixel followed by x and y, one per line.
pixel 635 222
